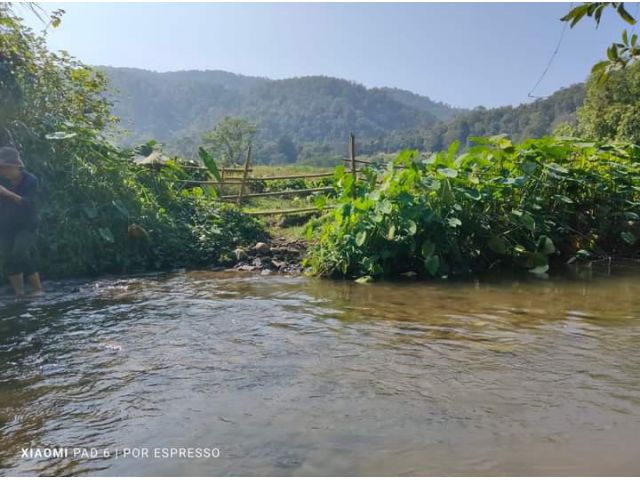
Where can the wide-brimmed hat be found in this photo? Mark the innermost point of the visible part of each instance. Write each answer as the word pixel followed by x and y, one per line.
pixel 9 156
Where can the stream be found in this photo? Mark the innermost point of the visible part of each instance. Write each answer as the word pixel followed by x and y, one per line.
pixel 275 375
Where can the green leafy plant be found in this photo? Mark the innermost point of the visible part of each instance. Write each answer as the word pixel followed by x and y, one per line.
pixel 102 211
pixel 521 206
pixel 619 54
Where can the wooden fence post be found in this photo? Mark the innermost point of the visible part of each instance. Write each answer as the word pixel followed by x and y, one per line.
pixel 247 162
pixel 221 187
pixel 352 147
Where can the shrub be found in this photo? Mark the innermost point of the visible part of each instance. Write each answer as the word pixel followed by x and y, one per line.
pixel 522 206
pixel 100 211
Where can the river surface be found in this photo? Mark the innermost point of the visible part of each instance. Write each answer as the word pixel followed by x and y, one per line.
pixel 297 376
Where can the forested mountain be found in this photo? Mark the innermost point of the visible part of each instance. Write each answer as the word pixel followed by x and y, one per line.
pixel 534 119
pixel 441 110
pixel 168 105
pixel 528 120
pixel 314 114
pixel 177 107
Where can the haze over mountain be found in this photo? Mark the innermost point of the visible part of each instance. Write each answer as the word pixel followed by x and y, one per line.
pixel 175 105
pixel 316 113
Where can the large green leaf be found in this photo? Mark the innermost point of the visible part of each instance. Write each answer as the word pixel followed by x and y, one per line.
pixel 498 245
pixel 545 245
pixel 412 228
pixel 428 248
pixel 628 237
pixel 210 163
pixel 432 264
pixel 106 234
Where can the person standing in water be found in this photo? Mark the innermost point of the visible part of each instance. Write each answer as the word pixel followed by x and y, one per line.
pixel 18 221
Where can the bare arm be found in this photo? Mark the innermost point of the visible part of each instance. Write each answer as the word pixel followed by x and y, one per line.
pixel 8 194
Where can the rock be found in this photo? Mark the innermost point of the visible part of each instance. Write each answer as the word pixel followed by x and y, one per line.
pixel 246 268
pixel 409 274
pixel 365 279
pixel 279 256
pixel 278 264
pixel 241 254
pixel 262 248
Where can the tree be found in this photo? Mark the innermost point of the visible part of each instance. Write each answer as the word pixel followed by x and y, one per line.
pixel 611 111
pixel 287 149
pixel 230 139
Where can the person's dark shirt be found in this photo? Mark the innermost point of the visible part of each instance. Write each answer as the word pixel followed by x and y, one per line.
pixel 23 215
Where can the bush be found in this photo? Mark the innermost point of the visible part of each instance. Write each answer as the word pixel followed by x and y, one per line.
pixel 100 211
pixel 522 206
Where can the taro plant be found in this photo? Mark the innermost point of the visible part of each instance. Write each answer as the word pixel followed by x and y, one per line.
pixel 498 205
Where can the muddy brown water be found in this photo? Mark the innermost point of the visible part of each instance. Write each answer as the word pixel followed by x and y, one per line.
pixel 297 376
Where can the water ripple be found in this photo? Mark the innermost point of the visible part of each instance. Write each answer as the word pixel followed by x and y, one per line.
pixel 300 376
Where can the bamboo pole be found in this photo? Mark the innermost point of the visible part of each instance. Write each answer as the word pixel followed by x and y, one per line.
pixel 276 194
pixel 221 188
pixel 289 211
pixel 192 167
pixel 244 177
pixel 360 161
pixel 352 142
pixel 376 164
pixel 196 167
pixel 238 180
pixel 285 177
pixel 210 182
pixel 289 177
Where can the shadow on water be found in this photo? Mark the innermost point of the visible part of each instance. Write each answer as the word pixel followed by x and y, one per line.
pixel 499 375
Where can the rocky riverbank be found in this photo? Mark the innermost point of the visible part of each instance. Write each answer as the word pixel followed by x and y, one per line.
pixel 277 256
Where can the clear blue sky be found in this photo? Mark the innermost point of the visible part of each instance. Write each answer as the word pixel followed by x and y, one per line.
pixel 462 54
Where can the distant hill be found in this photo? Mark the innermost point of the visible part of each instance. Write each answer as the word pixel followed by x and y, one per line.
pixel 442 111
pixel 534 119
pixel 177 107
pixel 315 113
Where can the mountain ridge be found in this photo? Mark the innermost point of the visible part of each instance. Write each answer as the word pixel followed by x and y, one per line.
pixel 316 112
pixel 170 105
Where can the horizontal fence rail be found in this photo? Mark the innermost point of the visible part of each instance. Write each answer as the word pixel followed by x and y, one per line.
pixel 244 180
pixel 289 211
pixel 365 162
pixel 284 177
pixel 282 193
pixel 374 164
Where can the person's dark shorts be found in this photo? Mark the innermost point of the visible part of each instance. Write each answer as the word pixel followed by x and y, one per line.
pixel 17 251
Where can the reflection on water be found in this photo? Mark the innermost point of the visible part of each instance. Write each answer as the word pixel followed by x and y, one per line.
pixel 308 377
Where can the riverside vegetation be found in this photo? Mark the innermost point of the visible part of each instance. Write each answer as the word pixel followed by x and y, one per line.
pixel 496 204
pixel 522 206
pixel 100 211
